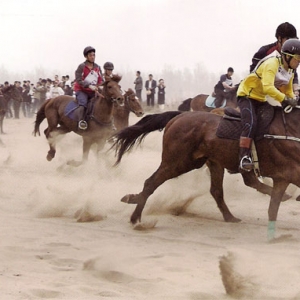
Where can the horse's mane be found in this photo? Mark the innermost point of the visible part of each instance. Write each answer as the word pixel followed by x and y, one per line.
pixel 130 91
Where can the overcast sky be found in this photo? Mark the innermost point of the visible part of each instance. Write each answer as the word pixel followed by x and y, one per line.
pixel 139 34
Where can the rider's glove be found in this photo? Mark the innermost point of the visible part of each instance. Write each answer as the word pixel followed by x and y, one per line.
pixel 93 87
pixel 289 101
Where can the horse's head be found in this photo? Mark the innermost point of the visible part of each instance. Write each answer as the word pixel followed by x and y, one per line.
pixel 112 90
pixel 133 103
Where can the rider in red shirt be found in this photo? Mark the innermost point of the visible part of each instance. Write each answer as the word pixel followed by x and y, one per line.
pixel 88 78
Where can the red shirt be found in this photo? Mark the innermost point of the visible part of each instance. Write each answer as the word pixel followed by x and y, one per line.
pixel 80 75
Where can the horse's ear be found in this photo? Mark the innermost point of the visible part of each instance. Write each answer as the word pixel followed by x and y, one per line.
pixel 116 77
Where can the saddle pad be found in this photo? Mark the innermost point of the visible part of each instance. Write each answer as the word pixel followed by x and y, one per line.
pixel 210 102
pixel 70 109
pixel 232 128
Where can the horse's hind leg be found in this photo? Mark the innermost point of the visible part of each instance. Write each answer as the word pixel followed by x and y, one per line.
pixel 51 142
pixel 216 189
pixel 51 135
pixel 168 169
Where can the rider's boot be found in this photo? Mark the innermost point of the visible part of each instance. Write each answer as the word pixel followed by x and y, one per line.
pixel 82 124
pixel 246 163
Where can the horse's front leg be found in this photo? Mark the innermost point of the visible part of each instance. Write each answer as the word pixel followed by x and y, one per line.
pixel 276 197
pixel 1 122
pixel 216 189
pixel 252 181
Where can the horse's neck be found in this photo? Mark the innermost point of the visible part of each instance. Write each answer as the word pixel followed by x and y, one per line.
pixel 126 102
pixel 103 109
pixel 286 123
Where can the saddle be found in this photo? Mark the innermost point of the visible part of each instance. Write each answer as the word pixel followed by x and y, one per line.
pixel 71 110
pixel 230 126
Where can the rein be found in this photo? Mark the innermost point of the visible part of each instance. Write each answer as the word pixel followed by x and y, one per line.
pixel 286 110
pixel 93 118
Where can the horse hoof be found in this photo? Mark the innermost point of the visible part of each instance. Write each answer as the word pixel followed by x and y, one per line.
pixel 74 163
pixel 49 157
pixel 130 199
pixel 233 220
pixel 287 197
pixel 134 218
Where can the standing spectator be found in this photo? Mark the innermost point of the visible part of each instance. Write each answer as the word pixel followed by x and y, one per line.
pixel 56 79
pixel 26 99
pixel 36 102
pixel 68 89
pixel 150 90
pixel 161 94
pixel 9 104
pixel 224 86
pixel 138 85
pixel 56 90
pixel 17 103
pixel 68 81
pixel 42 89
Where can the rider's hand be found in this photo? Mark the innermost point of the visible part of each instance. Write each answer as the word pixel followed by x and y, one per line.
pixel 289 101
pixel 93 87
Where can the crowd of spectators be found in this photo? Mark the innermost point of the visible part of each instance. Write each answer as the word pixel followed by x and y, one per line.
pixel 34 95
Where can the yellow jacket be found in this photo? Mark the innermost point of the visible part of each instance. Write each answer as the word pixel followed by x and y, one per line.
pixel 261 83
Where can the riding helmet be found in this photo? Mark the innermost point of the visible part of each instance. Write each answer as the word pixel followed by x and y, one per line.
pixel 87 50
pixel 108 66
pixel 286 30
pixel 291 46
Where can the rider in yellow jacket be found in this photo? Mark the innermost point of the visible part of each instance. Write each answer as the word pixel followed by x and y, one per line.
pixel 273 77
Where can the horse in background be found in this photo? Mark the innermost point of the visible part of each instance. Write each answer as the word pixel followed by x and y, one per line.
pixel 8 93
pixel 121 113
pixel 204 102
pixel 62 118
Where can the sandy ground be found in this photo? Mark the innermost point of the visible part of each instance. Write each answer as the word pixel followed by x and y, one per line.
pixel 175 254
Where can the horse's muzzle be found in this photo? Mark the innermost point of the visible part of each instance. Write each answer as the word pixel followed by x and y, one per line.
pixel 120 101
pixel 139 113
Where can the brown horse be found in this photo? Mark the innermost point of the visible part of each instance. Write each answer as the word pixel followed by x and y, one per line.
pixel 100 119
pixel 190 141
pixel 10 92
pixel 198 103
pixel 121 113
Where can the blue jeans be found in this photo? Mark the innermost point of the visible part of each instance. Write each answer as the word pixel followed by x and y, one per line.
pixel 83 98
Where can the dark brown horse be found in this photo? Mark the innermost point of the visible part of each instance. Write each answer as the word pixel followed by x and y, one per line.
pixel 198 103
pixel 100 120
pixel 10 92
pixel 190 141
pixel 121 113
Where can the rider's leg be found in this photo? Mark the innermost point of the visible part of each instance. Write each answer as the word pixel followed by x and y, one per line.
pixel 219 98
pixel 248 120
pixel 82 99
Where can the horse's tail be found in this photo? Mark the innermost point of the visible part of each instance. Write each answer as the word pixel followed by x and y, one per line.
pixel 40 116
pixel 185 105
pixel 128 137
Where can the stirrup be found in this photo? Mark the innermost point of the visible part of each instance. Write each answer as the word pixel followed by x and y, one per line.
pixel 246 164
pixel 82 125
